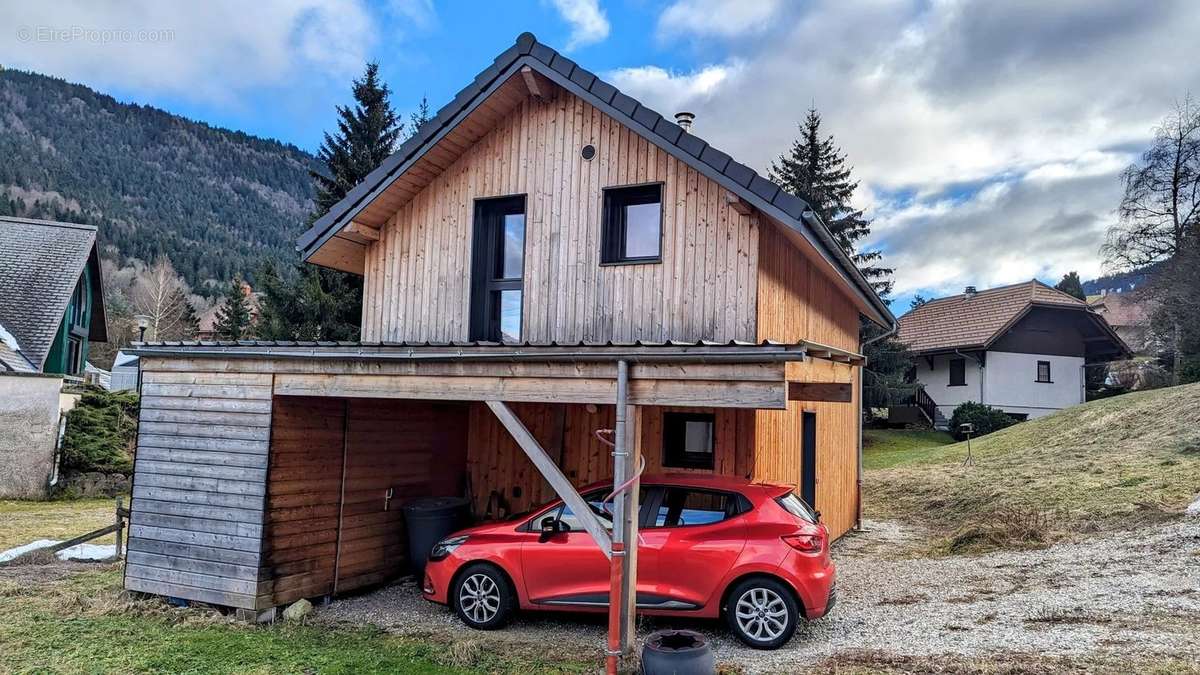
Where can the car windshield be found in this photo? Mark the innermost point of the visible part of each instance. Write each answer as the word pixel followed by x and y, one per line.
pixel 796 506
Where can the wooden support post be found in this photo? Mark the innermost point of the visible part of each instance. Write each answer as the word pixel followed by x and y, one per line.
pixel 632 504
pixel 120 527
pixel 553 475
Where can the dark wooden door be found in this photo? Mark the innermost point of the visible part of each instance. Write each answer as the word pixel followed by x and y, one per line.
pixel 808 459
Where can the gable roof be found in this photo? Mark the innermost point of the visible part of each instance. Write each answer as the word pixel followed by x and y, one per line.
pixel 41 262
pixel 787 210
pixel 961 322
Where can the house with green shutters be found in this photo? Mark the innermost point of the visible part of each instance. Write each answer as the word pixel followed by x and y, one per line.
pixel 51 302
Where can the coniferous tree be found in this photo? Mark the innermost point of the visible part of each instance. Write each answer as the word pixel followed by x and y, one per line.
pixel 233 317
pixel 1071 285
pixel 419 117
pixel 316 302
pixel 815 169
pixel 366 135
pixel 917 301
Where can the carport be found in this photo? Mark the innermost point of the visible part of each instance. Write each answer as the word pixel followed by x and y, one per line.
pixel 268 472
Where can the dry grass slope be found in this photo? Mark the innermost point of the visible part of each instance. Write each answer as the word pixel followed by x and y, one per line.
pixel 1104 465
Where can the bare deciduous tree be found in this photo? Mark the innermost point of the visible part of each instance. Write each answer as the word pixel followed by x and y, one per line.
pixel 161 294
pixel 1162 194
pixel 1160 223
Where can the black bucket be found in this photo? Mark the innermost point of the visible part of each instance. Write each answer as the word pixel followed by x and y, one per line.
pixel 677 652
pixel 429 520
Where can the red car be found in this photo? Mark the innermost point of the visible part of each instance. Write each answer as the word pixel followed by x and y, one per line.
pixel 709 547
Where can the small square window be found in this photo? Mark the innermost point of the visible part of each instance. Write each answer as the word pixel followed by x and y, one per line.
pixel 688 440
pixel 958 372
pixel 1043 371
pixel 632 225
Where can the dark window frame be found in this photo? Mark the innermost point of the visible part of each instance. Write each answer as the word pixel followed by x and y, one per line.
pixel 613 225
pixel 1038 376
pixel 961 364
pixel 487 258
pixel 674 438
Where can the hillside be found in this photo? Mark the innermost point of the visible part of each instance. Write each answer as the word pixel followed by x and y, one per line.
pixel 1105 465
pixel 216 201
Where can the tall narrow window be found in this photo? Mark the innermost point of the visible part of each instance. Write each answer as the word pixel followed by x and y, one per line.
pixel 498 269
pixel 958 372
pixel 1043 371
pixel 632 225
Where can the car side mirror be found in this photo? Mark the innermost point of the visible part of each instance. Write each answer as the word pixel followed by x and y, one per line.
pixel 551 526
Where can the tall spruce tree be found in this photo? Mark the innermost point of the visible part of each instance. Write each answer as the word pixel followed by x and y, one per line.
pixel 316 303
pixel 1071 285
pixel 815 169
pixel 234 321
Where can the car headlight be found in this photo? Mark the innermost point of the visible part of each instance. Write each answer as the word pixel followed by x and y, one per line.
pixel 446 546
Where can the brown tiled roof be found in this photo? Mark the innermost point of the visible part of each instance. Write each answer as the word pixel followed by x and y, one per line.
pixel 958 322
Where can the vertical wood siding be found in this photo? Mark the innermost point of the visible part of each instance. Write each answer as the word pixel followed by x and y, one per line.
pixel 196 520
pixel 415 448
pixel 416 282
pixel 567 433
pixel 797 301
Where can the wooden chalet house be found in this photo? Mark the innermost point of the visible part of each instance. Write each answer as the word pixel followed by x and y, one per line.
pixel 545 258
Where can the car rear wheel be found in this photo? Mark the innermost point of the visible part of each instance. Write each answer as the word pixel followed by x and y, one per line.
pixel 762 613
pixel 482 597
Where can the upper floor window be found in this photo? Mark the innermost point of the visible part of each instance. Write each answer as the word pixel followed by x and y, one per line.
pixel 688 440
pixel 632 225
pixel 1043 371
pixel 958 372
pixel 497 274
pixel 77 309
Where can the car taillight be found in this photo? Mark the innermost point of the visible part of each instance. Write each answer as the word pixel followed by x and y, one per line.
pixel 805 543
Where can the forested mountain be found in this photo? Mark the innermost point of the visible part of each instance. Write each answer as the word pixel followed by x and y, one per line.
pixel 217 202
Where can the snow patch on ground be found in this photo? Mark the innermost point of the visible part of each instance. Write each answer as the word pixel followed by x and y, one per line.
pixel 79 552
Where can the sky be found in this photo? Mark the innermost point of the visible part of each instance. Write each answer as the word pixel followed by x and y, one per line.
pixel 989 137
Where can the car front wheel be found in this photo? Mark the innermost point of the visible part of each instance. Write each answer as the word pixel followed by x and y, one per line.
pixel 482 597
pixel 762 613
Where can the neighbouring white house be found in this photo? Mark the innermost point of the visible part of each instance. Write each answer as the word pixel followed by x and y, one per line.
pixel 1023 348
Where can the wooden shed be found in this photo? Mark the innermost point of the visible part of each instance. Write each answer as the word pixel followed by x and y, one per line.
pixel 268 472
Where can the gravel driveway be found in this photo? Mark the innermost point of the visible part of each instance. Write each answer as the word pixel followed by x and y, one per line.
pixel 1126 595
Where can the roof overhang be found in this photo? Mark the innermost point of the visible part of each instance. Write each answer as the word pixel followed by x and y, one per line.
pixel 339 238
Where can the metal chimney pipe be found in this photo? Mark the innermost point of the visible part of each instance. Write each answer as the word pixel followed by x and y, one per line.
pixel 969 292
pixel 685 119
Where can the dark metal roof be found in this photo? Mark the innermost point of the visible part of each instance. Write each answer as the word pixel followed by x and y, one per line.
pixel 743 181
pixel 40 264
pixel 484 351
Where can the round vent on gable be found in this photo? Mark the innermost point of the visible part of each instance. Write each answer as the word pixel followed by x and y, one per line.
pixel 588 152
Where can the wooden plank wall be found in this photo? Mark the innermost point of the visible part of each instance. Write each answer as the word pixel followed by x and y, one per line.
pixel 416 448
pixel 416 281
pixel 199 482
pixel 797 301
pixel 303 495
pixel 567 433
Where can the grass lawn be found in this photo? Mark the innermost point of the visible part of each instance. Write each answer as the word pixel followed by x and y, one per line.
pixel 885 448
pixel 81 622
pixel 22 522
pixel 1100 466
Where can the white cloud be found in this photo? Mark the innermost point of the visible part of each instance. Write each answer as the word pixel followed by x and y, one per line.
pixel 674 91
pixel 725 18
pixel 209 51
pixel 1042 104
pixel 587 21
pixel 419 13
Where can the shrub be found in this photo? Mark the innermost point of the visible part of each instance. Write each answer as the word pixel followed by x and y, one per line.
pixel 101 432
pixel 985 418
